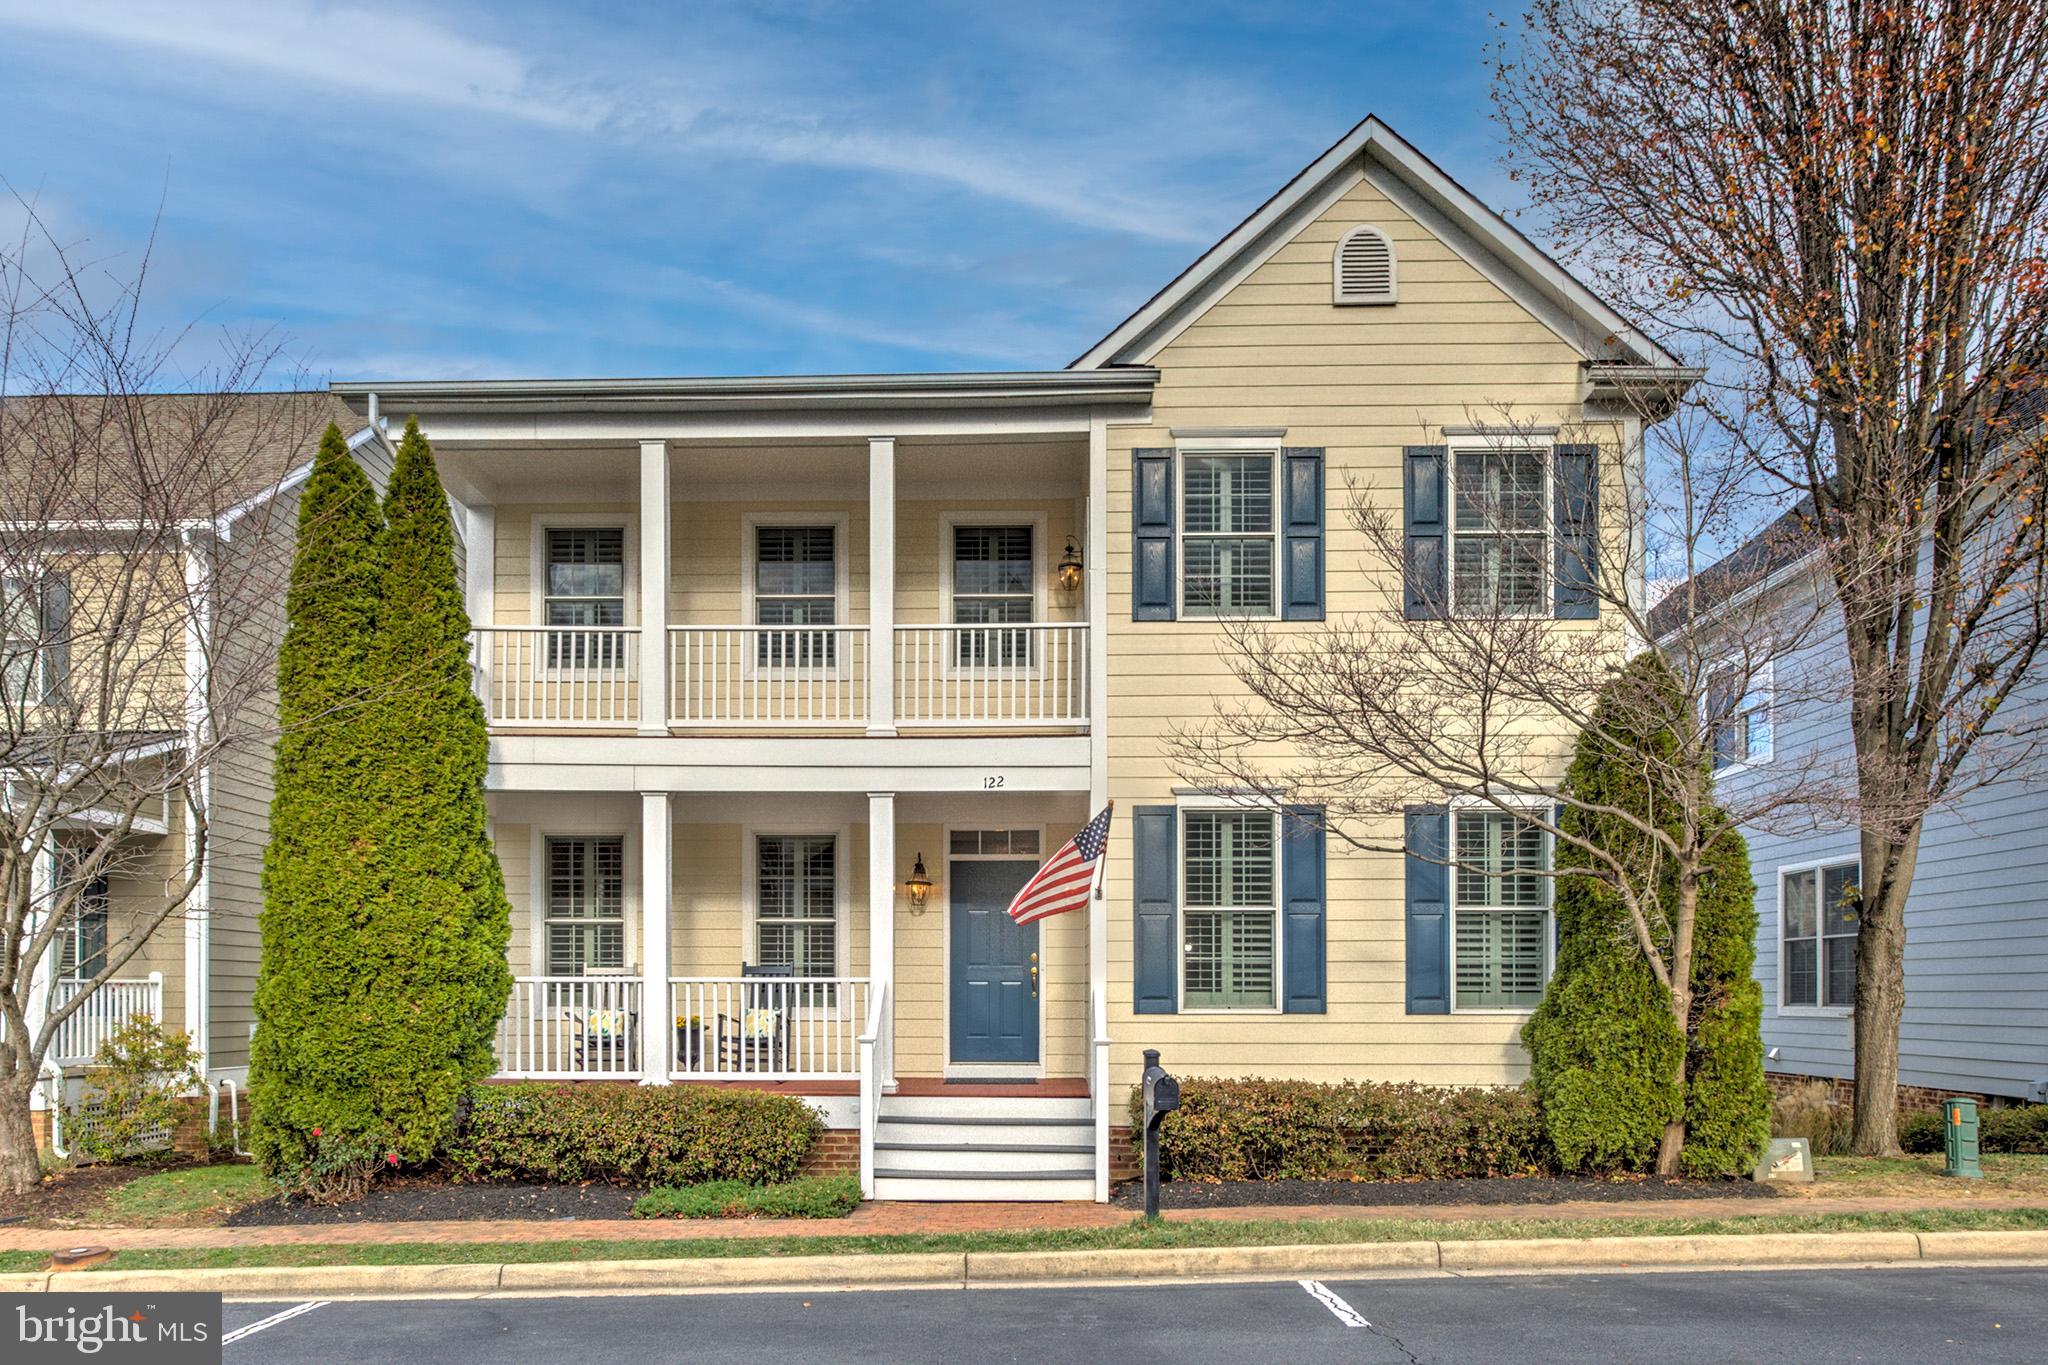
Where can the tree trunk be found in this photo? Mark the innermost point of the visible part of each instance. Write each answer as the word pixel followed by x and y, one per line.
pixel 20 1169
pixel 1673 1142
pixel 1881 989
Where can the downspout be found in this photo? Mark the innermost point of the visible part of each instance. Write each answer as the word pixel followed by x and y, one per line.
pixel 198 911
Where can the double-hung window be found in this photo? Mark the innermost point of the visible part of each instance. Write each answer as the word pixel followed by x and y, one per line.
pixel 1500 912
pixel 1818 918
pixel 1500 532
pixel 796 584
pixel 82 945
pixel 1230 891
pixel 992 587
pixel 1738 707
pixel 34 621
pixel 1227 540
pixel 796 907
pixel 585 926
pixel 586 588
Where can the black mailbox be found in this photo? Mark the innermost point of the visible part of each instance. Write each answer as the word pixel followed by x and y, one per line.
pixel 1161 1094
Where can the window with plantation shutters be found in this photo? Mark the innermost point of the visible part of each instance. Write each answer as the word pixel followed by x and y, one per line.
pixel 992 586
pixel 796 910
pixel 1363 268
pixel 1227 534
pixel 796 584
pixel 585 587
pixel 585 923
pixel 1229 893
pixel 1500 914
pixel 1500 533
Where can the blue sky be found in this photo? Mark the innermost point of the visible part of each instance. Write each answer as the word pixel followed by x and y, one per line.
pixel 507 189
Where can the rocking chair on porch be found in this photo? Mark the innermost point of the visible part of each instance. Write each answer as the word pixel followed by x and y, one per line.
pixel 756 1040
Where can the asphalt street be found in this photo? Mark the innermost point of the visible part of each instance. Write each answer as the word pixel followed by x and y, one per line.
pixel 1807 1316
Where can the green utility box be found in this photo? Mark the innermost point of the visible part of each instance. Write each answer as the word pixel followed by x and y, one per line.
pixel 1959 1139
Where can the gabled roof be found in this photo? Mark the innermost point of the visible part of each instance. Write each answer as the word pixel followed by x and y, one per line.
pixel 1489 241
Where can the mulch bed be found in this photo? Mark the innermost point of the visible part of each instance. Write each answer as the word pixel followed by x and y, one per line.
pixel 1233 1194
pixel 422 1199
pixel 75 1195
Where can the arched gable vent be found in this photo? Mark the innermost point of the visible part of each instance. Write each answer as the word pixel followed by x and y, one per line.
pixel 1363 271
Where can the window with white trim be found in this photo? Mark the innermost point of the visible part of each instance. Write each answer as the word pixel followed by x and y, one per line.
pixel 1500 908
pixel 1738 717
pixel 796 584
pixel 32 621
pixel 992 569
pixel 1500 532
pixel 585 586
pixel 796 906
pixel 1227 535
pixel 1818 916
pixel 1230 895
pixel 82 941
pixel 584 921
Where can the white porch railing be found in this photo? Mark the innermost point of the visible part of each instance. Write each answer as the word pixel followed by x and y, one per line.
pixel 873 1044
pixel 788 1028
pixel 571 1027
pixel 558 676
pixel 996 676
pixel 773 677
pixel 1098 1088
pixel 103 1012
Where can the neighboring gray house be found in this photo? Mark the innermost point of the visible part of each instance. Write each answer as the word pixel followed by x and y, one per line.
pixel 1976 1015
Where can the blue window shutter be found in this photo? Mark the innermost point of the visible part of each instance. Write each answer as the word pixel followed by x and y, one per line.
pixel 1305 945
pixel 1425 513
pixel 1302 475
pixel 1429 911
pixel 55 627
pixel 1152 535
pixel 1155 938
pixel 1575 483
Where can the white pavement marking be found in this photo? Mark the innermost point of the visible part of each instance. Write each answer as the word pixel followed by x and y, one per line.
pixel 273 1320
pixel 1339 1309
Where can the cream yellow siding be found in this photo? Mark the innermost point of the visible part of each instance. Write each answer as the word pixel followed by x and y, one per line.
pixel 1361 383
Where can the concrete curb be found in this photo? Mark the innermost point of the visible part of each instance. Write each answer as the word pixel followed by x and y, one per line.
pixel 988 1268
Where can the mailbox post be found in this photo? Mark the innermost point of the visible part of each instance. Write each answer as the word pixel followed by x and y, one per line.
pixel 1162 1097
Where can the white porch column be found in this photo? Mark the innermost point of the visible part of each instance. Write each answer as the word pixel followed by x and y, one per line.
pixel 882 585
pixel 882 922
pixel 42 886
pixel 654 572
pixel 657 836
pixel 480 585
pixel 1095 556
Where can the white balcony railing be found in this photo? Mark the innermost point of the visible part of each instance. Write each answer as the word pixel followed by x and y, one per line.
pixel 771 677
pixel 992 676
pixel 572 677
pixel 571 1027
pixel 103 1012
pixel 802 1028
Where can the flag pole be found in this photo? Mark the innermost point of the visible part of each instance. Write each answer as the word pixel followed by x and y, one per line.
pixel 1102 863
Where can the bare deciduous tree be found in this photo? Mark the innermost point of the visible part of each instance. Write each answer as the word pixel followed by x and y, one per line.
pixel 133 533
pixel 1845 207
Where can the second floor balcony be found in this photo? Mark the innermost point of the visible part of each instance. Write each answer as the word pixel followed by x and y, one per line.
pixel 1027 676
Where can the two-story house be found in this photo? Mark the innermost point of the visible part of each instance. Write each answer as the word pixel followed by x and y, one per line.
pixel 794 681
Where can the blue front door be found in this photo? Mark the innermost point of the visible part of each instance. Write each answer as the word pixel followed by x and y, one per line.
pixel 994 986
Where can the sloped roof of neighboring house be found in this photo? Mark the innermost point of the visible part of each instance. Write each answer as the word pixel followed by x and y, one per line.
pixel 1786 541
pixel 82 458
pixel 1375 151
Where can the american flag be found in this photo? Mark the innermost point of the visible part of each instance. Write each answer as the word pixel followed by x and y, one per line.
pixel 1064 882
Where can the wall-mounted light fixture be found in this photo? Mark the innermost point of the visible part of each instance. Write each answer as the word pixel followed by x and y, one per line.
pixel 1069 571
pixel 918 887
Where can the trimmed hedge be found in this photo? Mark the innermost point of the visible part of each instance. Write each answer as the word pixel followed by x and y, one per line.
pixel 1256 1129
pixel 2016 1130
pixel 818 1196
pixel 632 1135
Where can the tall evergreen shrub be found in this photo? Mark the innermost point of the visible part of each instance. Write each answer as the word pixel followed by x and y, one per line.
pixel 314 1020
pixel 433 950
pixel 1604 1047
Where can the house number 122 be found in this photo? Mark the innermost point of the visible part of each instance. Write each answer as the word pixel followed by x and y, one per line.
pixel 990 783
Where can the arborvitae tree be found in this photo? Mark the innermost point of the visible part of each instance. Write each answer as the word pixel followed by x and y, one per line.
pixel 1603 1046
pixel 1618 1056
pixel 313 1021
pixel 433 952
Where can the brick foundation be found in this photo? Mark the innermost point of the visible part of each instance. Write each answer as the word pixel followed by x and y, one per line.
pixel 1125 1161
pixel 837 1153
pixel 1913 1099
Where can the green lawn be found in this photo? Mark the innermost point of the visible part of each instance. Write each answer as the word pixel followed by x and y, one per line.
pixel 183 1197
pixel 1206 1233
pixel 2005 1177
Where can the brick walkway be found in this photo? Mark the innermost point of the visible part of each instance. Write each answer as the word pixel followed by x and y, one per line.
pixel 872 1219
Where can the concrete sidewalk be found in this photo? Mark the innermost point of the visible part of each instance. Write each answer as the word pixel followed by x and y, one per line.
pixel 880 1219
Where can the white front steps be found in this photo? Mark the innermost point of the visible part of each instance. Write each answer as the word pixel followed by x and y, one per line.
pixel 1025 1147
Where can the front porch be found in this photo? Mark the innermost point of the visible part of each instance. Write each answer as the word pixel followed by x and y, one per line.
pixel 789 953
